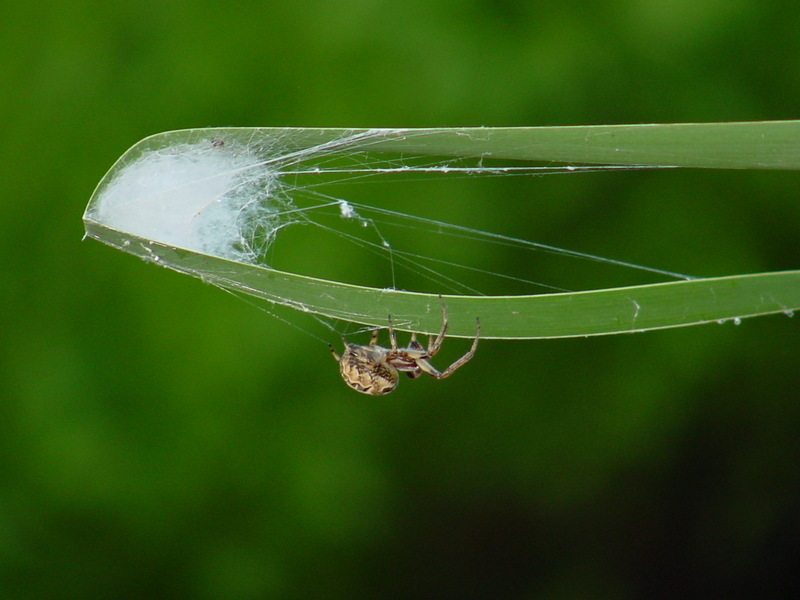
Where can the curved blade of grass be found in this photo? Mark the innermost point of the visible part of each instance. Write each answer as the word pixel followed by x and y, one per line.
pixel 746 145
pixel 757 145
pixel 601 312
pixel 741 145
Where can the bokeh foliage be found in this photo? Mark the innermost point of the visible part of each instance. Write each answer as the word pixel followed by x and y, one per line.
pixel 159 438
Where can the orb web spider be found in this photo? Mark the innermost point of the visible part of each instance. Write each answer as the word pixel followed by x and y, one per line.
pixel 375 370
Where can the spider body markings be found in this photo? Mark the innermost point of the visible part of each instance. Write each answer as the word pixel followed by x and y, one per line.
pixel 375 370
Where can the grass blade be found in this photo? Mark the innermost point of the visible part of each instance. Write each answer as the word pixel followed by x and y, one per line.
pixel 758 145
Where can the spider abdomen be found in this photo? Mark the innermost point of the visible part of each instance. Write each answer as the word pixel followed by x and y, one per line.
pixel 364 368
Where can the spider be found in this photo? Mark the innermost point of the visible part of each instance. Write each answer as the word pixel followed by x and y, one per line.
pixel 374 370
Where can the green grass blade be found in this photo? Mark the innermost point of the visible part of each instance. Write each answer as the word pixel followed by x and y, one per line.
pixel 757 145
pixel 741 145
pixel 747 145
pixel 601 312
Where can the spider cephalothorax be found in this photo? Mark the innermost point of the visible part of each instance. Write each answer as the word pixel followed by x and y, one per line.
pixel 375 370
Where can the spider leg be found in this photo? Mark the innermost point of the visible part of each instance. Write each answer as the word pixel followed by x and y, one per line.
pixel 336 356
pixel 374 339
pixel 461 361
pixel 435 344
pixel 392 336
pixel 414 343
pixel 424 366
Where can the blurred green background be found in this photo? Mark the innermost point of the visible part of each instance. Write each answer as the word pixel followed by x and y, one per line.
pixel 162 439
